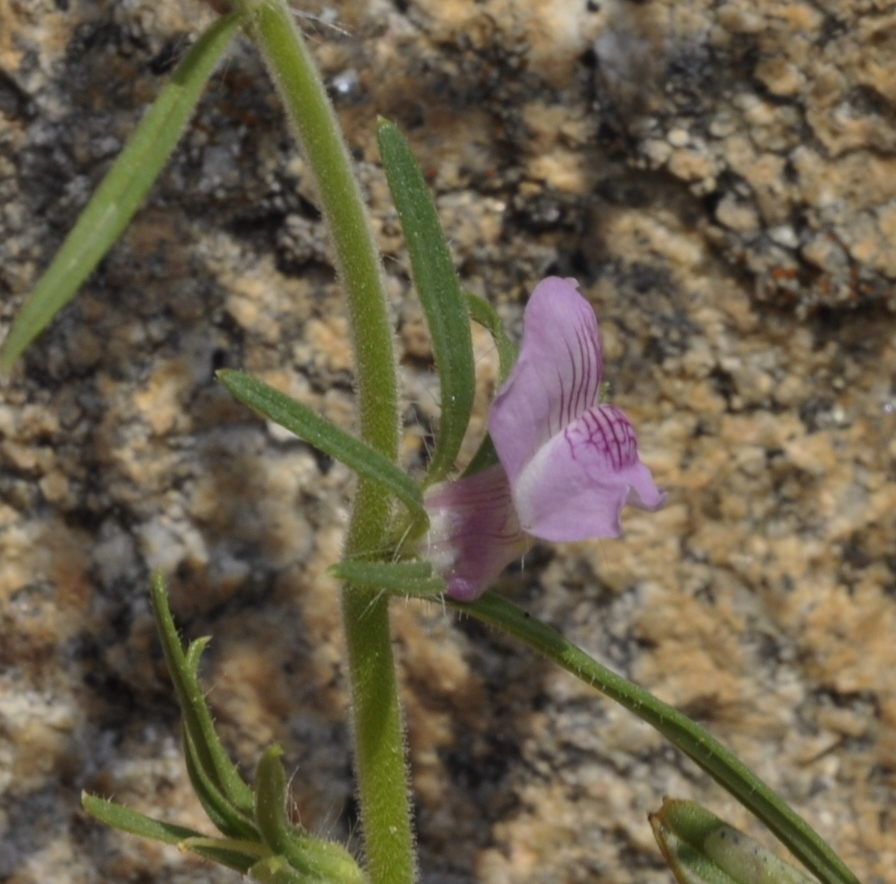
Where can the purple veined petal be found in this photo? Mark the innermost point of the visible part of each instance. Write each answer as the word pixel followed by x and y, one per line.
pixel 474 531
pixel 576 485
pixel 555 379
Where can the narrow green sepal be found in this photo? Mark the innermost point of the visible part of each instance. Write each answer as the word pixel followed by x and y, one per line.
pixel 270 804
pixel 436 282
pixel 700 848
pixel 210 757
pixel 401 578
pixel 320 433
pixel 313 858
pixel 135 823
pixel 121 192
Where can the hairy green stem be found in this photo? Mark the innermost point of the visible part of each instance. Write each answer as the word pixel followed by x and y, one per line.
pixel 356 256
pixel 381 766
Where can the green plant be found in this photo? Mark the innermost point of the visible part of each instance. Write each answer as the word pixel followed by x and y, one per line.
pixel 393 514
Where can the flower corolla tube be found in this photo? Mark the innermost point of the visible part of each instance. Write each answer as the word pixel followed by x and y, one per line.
pixel 567 463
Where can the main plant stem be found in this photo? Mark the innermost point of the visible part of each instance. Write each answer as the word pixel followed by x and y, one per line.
pixel 381 766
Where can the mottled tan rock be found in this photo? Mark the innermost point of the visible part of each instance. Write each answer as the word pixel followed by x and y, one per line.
pixel 826 86
pixel 679 160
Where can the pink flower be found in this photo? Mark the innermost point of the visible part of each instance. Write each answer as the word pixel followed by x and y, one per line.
pixel 568 465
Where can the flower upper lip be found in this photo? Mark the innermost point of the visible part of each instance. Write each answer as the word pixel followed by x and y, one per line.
pixel 572 463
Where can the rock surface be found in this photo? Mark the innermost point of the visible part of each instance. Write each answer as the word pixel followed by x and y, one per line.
pixel 720 179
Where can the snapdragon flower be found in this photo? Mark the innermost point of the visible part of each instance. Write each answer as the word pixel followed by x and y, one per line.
pixel 567 463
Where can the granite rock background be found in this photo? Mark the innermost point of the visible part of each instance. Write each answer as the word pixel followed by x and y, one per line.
pixel 720 177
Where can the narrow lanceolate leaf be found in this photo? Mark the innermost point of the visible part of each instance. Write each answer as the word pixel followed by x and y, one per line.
pixel 437 285
pixel 320 433
pixel 699 745
pixel 121 192
pixel 703 849
pixel 404 578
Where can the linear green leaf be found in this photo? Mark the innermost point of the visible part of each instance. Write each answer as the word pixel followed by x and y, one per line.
pixel 702 748
pixel 122 190
pixel 320 433
pixel 440 294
